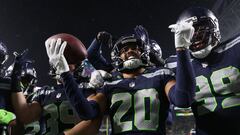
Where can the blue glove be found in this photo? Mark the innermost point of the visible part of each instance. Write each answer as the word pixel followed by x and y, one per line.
pixel 104 37
pixel 142 33
pixel 20 61
pixel 94 51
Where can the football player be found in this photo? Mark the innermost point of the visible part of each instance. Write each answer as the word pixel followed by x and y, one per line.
pixel 216 65
pixel 104 38
pixel 95 57
pixel 29 89
pixel 5 86
pixel 5 82
pixel 156 59
pixel 137 99
pixel 50 105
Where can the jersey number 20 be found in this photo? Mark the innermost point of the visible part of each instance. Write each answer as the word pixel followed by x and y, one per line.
pixel 138 102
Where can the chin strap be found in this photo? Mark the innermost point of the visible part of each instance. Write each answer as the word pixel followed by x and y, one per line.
pixel 132 64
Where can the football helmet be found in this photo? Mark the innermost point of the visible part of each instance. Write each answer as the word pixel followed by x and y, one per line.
pixel 206 35
pixel 83 71
pixel 3 53
pixel 28 77
pixel 155 53
pixel 3 58
pixel 130 64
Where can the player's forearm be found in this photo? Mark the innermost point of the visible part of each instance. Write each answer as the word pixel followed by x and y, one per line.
pixel 85 109
pixel 182 93
pixel 95 57
pixel 25 112
pixel 90 127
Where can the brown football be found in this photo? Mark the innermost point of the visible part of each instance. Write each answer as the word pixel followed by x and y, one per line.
pixel 75 50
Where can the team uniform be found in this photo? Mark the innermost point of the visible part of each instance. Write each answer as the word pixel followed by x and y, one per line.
pixel 5 82
pixel 5 93
pixel 5 100
pixel 138 105
pixel 58 115
pixel 34 127
pixel 216 107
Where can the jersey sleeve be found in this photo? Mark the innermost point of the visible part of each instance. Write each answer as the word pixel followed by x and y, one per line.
pixel 96 58
pixel 40 95
pixel 168 75
pixel 171 63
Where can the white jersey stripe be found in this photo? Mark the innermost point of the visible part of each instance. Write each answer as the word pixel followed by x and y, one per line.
pixel 228 45
pixel 158 72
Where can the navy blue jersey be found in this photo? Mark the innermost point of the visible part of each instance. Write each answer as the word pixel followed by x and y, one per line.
pixel 217 101
pixel 5 94
pixel 34 127
pixel 57 113
pixel 138 106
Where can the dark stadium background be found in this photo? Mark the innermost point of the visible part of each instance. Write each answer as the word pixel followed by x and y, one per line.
pixel 28 23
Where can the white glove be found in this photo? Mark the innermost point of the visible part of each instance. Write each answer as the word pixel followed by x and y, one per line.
pixel 55 54
pixel 183 32
pixel 97 78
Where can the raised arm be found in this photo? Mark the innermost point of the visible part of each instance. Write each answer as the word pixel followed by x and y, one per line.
pixel 182 93
pixel 95 57
pixel 25 112
pixel 85 109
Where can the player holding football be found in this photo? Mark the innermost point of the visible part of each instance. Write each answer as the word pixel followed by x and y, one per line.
pixel 50 105
pixel 216 106
pixel 137 98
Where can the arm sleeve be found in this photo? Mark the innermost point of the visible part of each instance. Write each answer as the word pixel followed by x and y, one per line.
pixel 86 109
pixel 95 57
pixel 182 93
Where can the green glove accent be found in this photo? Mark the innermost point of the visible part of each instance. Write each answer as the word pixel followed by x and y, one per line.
pixel 6 117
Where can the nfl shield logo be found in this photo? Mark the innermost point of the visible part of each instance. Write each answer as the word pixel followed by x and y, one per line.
pixel 131 84
pixel 204 65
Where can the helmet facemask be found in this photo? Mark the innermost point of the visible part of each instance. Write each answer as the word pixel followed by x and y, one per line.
pixel 133 61
pixel 207 33
pixel 83 71
pixel 203 40
pixel 28 82
pixel 28 78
